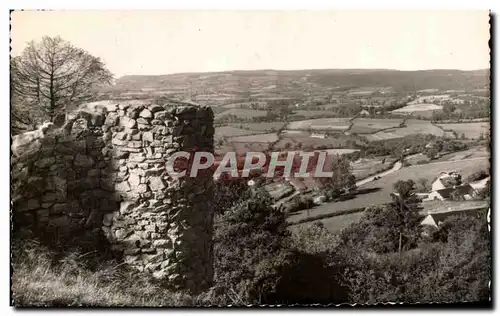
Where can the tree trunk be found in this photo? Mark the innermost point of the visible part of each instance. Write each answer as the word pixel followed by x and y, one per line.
pixel 52 99
pixel 400 236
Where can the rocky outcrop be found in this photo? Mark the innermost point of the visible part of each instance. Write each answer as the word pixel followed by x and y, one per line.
pixel 104 172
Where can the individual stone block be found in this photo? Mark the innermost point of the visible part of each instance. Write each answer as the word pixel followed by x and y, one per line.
pixel 147 136
pixel 134 180
pixel 122 186
pixel 137 157
pixel 156 183
pixel 83 161
pixel 128 122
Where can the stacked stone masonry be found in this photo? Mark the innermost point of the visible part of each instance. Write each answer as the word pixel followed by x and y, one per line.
pixel 104 172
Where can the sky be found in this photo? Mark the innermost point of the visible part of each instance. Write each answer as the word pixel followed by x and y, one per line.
pixel 165 42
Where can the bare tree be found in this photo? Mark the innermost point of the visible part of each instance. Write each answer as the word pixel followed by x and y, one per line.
pixel 52 75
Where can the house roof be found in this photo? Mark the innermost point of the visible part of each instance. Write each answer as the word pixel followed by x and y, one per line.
pixel 462 190
pixel 435 218
pixel 429 220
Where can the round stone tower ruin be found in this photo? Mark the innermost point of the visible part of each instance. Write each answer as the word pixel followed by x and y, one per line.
pixel 159 224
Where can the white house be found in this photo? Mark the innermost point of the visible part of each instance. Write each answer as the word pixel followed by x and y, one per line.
pixel 444 179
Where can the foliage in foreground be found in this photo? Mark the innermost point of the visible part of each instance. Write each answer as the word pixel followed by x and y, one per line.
pixel 257 261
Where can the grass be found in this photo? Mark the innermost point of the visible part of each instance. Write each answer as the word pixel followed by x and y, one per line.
pixel 412 127
pixel 244 104
pixel 475 152
pixel 242 148
pixel 471 130
pixel 368 126
pixel 333 224
pixel 44 278
pixel 293 142
pixel 294 133
pixel 229 131
pixel 367 167
pixel 241 113
pixel 261 138
pixel 418 107
pixel 260 127
pixel 312 113
pixel 337 124
pixel 421 158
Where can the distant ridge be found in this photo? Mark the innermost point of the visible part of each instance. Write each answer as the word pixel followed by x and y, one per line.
pixel 298 82
pixel 316 70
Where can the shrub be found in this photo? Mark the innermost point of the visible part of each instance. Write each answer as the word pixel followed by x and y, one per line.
pixel 455 267
pixel 479 175
pixel 299 203
pixel 250 250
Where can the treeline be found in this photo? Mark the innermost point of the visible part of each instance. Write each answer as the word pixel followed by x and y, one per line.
pixel 468 110
pixel 412 144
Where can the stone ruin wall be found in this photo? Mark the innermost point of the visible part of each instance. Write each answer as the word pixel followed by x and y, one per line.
pixel 103 174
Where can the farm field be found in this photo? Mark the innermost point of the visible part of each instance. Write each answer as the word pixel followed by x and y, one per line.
pixel 368 90
pixel 311 113
pixel 471 130
pixel 384 186
pixel 412 127
pixel 446 206
pixel 260 138
pixel 428 114
pixel 479 151
pixel 229 131
pixel 430 98
pixel 337 223
pixel 231 106
pixel 416 107
pixel 241 113
pixel 428 90
pixel 415 159
pixel 367 126
pixel 217 110
pixel 294 133
pixel 330 106
pixel 365 167
pixel 292 142
pixel 337 124
pixel 223 148
pixel 260 127
pixel 333 151
pixel 242 148
pixel 244 104
pixel 333 224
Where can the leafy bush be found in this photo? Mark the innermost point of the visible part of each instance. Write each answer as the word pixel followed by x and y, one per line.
pixel 479 175
pixel 249 249
pixel 455 268
pixel 299 203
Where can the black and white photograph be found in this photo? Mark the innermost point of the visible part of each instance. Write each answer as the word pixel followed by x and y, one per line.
pixel 250 158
